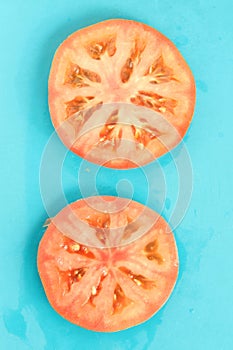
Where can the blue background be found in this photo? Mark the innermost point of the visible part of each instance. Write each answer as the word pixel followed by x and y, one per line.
pixel 199 315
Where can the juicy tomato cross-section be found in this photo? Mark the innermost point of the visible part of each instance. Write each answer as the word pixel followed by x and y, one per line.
pixel 100 73
pixel 110 283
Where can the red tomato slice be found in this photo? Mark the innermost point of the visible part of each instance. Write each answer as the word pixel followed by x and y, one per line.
pixel 101 69
pixel 122 276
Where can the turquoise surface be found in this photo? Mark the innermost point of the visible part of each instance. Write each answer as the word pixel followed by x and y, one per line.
pixel 199 314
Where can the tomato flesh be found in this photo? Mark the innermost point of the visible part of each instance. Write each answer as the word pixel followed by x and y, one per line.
pixel 121 63
pixel 120 278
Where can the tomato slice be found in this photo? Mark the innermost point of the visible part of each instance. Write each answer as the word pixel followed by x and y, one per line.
pixel 122 276
pixel 100 73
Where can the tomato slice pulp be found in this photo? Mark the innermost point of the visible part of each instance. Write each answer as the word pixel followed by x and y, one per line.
pixel 100 73
pixel 122 276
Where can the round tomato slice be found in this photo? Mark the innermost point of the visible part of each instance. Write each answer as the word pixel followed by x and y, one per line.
pixel 121 277
pixel 100 73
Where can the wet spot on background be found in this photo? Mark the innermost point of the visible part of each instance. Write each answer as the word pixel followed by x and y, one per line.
pixel 15 323
pixel 181 40
pixel 201 85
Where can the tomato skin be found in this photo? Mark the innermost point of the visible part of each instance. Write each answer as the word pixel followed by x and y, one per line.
pixel 173 98
pixel 108 289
